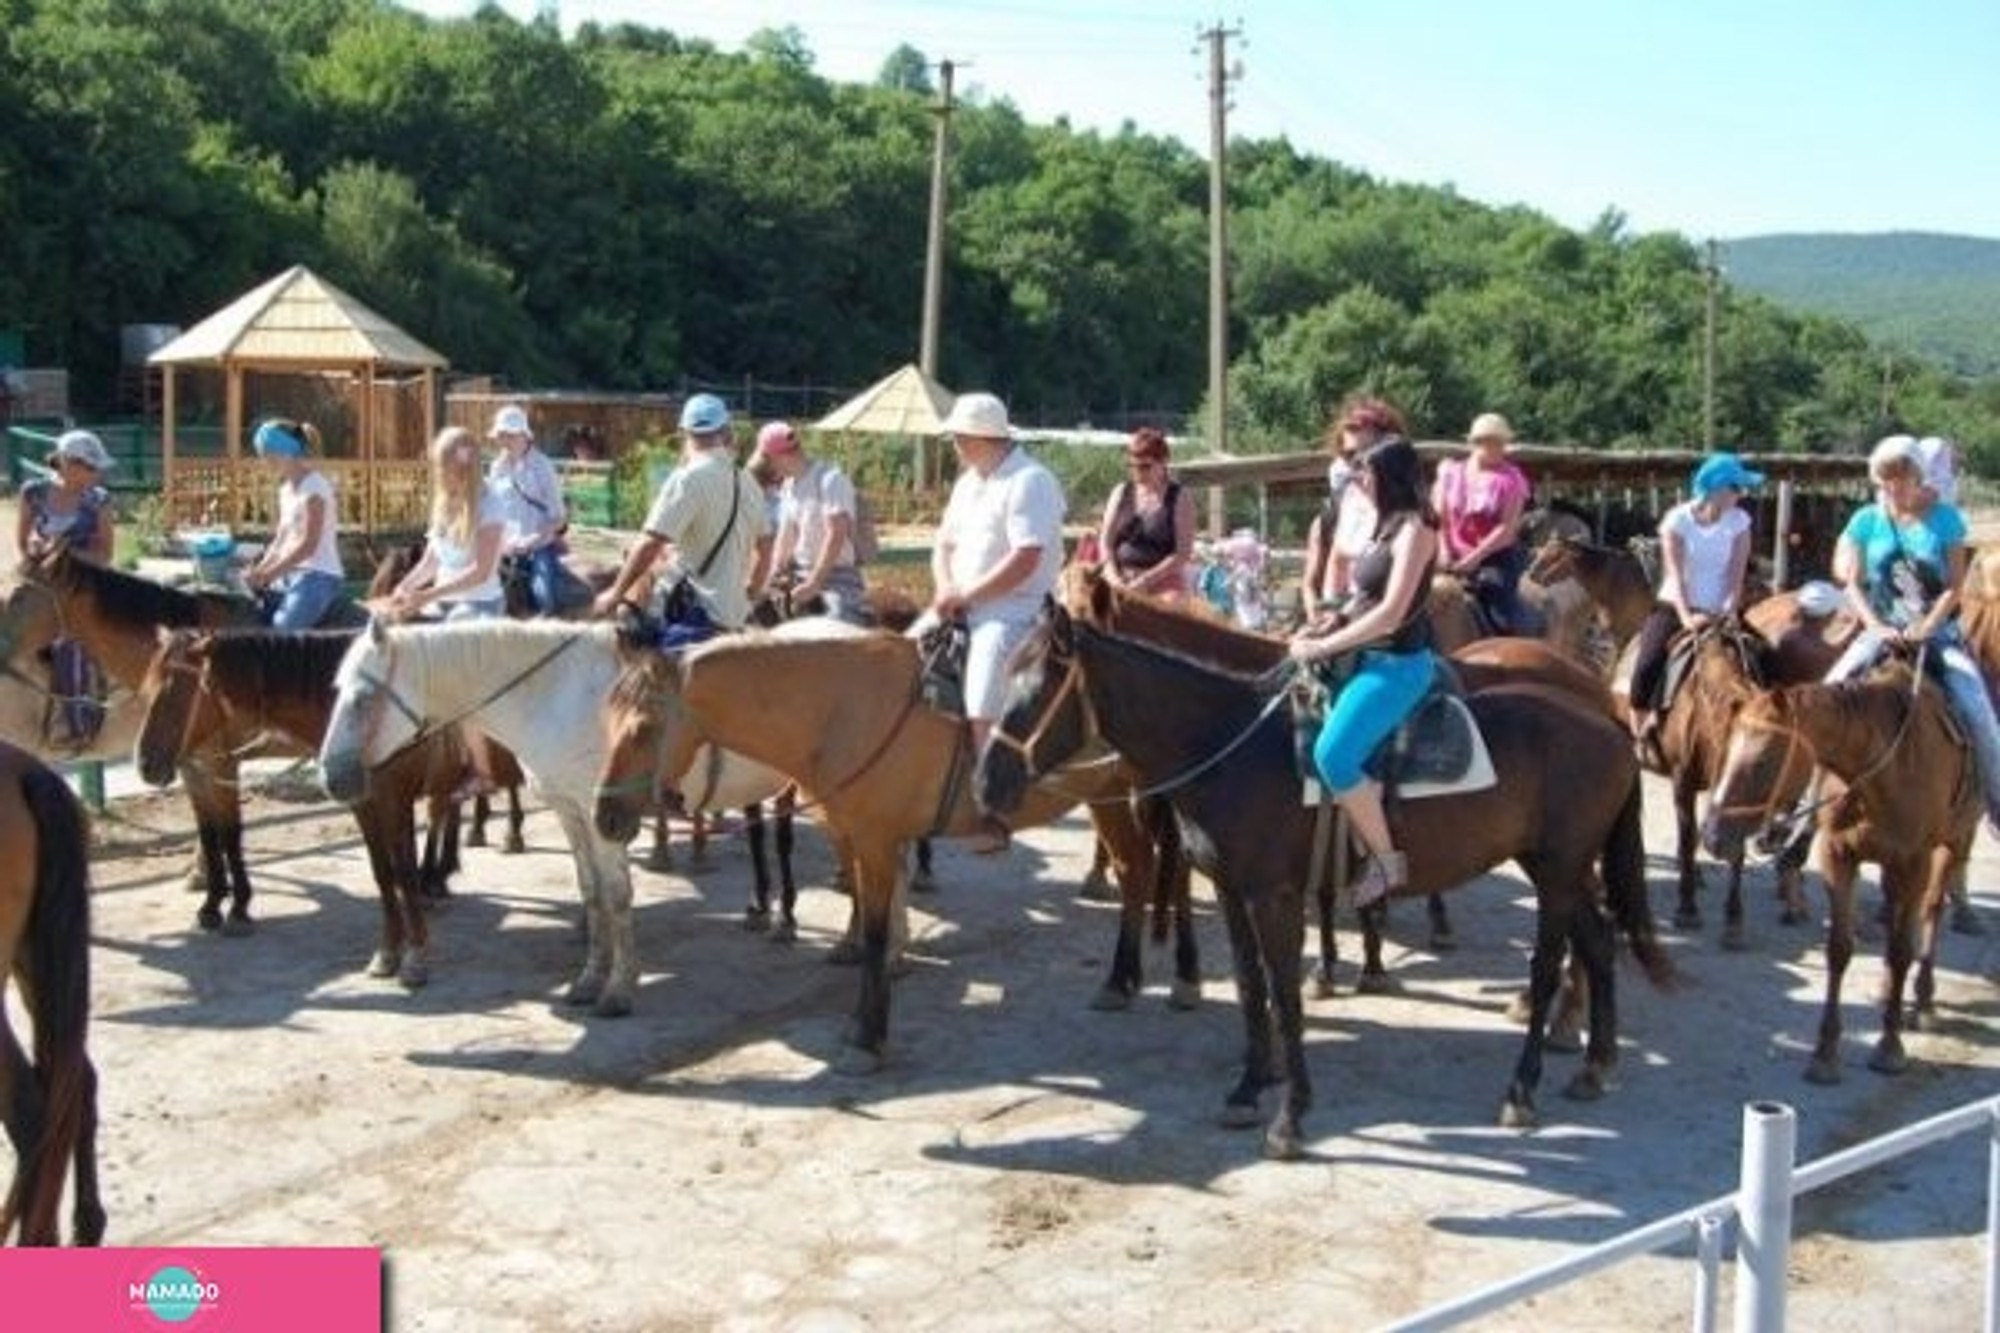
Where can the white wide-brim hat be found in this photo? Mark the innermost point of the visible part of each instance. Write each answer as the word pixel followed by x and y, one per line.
pixel 980 415
pixel 84 447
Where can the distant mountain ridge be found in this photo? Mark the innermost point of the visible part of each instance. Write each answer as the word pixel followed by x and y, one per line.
pixel 1935 295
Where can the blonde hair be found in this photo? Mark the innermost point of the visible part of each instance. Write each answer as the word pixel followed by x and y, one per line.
pixel 454 508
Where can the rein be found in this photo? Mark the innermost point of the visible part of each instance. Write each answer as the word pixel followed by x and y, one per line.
pixel 424 727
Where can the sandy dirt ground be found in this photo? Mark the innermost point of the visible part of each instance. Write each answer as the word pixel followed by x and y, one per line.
pixel 1022 1163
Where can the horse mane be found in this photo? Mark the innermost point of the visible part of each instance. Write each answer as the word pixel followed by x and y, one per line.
pixel 449 662
pixel 134 602
pixel 277 665
pixel 1200 639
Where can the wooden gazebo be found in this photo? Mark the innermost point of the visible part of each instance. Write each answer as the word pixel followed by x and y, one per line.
pixel 299 324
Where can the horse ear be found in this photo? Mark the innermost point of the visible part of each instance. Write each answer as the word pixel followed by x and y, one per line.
pixel 1100 599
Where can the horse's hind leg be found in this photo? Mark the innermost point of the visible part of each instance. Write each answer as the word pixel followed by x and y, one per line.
pixel 1097 886
pixel 1374 978
pixel 24 1111
pixel 788 885
pixel 1253 997
pixel 1593 969
pixel 475 831
pixel 924 880
pixel 238 922
pixel 1517 1110
pixel 1443 938
pixel 1177 880
pixel 515 843
pixel 87 1208
pixel 757 916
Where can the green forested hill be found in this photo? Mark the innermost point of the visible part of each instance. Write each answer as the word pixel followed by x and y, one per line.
pixel 1937 296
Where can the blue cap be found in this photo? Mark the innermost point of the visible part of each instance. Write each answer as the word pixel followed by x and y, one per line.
pixel 704 414
pixel 274 439
pixel 1723 470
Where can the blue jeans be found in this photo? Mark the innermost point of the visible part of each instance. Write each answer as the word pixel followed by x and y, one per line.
pixel 304 599
pixel 545 579
pixel 1385 688
pixel 1964 690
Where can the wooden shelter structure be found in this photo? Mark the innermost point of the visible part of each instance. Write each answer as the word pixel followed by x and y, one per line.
pixel 300 325
pixel 905 403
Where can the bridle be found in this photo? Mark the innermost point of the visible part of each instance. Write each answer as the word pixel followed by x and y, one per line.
pixel 423 728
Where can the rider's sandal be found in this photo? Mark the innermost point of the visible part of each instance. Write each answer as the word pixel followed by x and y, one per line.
pixel 1386 872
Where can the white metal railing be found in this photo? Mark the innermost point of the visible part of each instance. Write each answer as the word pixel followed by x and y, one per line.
pixel 1761 1207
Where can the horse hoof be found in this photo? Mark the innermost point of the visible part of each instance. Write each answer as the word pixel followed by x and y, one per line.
pixel 858 1062
pixel 1888 1060
pixel 923 881
pixel 844 954
pixel 194 881
pixel 613 1004
pixel 1793 916
pixel 659 862
pixel 1098 889
pixel 786 932
pixel 239 927
pixel 1377 983
pixel 1687 918
pixel 475 836
pixel 1824 1072
pixel 1444 941
pixel 1519 1008
pixel 1585 1087
pixel 1323 988
pixel 582 992
pixel 1111 1000
pixel 1185 996
pixel 514 845
pixel 756 919
pixel 1240 1115
pixel 1283 1145
pixel 1735 939
pixel 1517 1115
pixel 414 974
pixel 208 918
pixel 382 964
pixel 1965 921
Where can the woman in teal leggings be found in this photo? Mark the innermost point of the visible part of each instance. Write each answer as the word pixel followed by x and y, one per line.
pixel 1388 627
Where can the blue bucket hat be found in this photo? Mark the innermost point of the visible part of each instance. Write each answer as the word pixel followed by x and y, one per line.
pixel 704 414
pixel 275 439
pixel 1723 470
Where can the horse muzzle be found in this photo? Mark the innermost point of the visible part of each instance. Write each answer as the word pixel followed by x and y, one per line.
pixel 346 778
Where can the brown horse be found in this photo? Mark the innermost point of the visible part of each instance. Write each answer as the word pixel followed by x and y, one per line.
pixel 1910 802
pixel 210 694
pixel 1610 576
pixel 1221 747
pixel 1457 618
pixel 49 1105
pixel 1481 664
pixel 846 718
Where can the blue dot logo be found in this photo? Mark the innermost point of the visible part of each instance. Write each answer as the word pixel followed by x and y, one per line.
pixel 174 1295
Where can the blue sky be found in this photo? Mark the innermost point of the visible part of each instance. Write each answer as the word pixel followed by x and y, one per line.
pixel 1715 118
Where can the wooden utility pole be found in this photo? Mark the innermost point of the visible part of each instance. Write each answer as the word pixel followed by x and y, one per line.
pixel 927 352
pixel 1219 75
pixel 1711 275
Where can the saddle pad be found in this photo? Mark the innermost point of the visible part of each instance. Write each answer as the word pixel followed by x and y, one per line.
pixel 1437 752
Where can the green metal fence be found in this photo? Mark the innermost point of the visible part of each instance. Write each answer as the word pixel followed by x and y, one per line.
pixel 134 448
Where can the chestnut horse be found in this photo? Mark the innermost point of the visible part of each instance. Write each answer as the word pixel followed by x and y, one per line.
pixel 210 694
pixel 49 1105
pixel 846 718
pixel 1221 746
pixel 1910 802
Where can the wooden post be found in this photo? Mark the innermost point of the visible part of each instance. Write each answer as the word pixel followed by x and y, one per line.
pixel 1781 544
pixel 232 427
pixel 167 416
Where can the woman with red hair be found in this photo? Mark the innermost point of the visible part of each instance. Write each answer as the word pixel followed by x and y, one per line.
pixel 1147 535
pixel 1345 525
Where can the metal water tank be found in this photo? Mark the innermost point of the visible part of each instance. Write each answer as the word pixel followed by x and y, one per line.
pixel 136 342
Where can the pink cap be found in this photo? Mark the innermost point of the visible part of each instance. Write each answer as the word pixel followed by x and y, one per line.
pixel 777 437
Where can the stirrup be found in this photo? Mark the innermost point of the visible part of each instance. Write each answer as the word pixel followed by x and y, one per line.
pixel 1386 872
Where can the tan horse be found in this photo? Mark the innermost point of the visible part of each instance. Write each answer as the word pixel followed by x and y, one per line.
pixel 846 718
pixel 1911 804
pixel 49 1105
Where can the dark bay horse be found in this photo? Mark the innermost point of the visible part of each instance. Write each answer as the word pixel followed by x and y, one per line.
pixel 210 694
pixel 1221 746
pixel 49 1104
pixel 1910 803
pixel 1481 664
pixel 844 717
pixel 1611 576
pixel 117 617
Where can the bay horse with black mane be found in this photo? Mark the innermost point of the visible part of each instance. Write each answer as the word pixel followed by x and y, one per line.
pixel 49 1104
pixel 1905 795
pixel 1220 744
pixel 211 694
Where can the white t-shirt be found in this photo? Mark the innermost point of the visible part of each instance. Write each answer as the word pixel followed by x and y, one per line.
pixel 1705 551
pixel 809 501
pixel 988 518
pixel 293 504
pixel 692 511
pixel 530 495
pixel 453 560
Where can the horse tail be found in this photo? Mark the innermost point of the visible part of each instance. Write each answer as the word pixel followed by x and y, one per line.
pixel 1625 889
pixel 58 993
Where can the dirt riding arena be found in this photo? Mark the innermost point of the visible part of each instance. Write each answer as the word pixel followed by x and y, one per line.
pixel 1023 1163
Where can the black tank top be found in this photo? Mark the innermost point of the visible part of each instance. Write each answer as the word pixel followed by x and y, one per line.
pixel 1140 541
pixel 1371 584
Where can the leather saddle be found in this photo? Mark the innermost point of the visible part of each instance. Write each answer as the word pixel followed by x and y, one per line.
pixel 1436 751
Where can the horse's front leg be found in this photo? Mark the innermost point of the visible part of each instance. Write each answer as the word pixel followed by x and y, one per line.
pixel 878 867
pixel 1687 912
pixel 1374 978
pixel 758 915
pixel 1239 1108
pixel 382 865
pixel 605 881
pixel 1443 938
pixel 1279 922
pixel 785 809
pixel 1906 885
pixel 515 843
pixel 1123 843
pixel 1839 868
pixel 1734 936
pixel 396 827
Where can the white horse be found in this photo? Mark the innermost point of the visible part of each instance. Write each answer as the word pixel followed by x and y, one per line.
pixel 534 686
